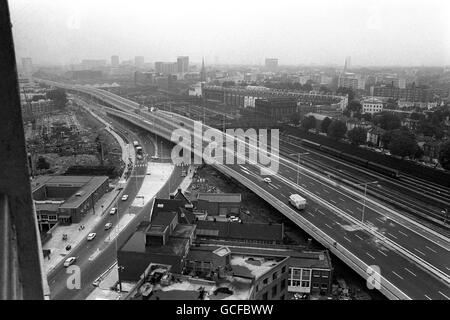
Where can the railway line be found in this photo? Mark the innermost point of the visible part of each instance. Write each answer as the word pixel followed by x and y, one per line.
pixel 434 203
pixel 395 199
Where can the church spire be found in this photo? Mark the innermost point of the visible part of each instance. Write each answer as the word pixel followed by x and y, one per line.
pixel 203 71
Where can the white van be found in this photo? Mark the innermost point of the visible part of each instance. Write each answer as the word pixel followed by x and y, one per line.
pixel 297 201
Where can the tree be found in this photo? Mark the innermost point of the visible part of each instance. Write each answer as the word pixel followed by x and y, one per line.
pixel 324 89
pixel 403 143
pixel 344 91
pixel 444 155
pixel 295 118
pixel 337 129
pixel 309 123
pixel 325 124
pixel 357 135
pixel 58 96
pixel 387 121
pixel 367 117
pixel 307 86
pixel 42 164
pixel 417 116
pixel 354 106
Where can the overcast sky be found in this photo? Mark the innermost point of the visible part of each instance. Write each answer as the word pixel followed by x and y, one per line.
pixel 394 32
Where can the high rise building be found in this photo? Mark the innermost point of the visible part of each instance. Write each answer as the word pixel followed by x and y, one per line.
pixel 271 64
pixel 27 67
pixel 203 71
pixel 347 64
pixel 115 61
pixel 139 62
pixel 183 64
pixel 166 67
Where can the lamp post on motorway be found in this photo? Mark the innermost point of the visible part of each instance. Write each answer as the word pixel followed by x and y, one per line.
pixel 365 194
pixel 298 162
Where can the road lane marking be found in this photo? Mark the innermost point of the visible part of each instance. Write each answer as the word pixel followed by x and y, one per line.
pixel 347 239
pixel 318 210
pixel 349 210
pixel 428 297
pixel 303 185
pixel 370 255
pixel 392 235
pixel 333 201
pixel 358 237
pixel 380 251
pixel 410 272
pixel 382 221
pixel 328 226
pixel 397 275
pixel 326 191
pixel 419 251
pixel 430 249
pixel 444 295
pixel 341 199
pixel 310 213
pixel 403 233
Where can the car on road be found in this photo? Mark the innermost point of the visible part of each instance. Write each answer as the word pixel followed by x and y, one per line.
pixel 69 261
pixel 91 236
pixel 108 226
pixel 139 157
pixel 125 197
pixel 113 211
pixel 267 180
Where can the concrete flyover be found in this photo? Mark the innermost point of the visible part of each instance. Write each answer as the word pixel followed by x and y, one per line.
pixel 413 267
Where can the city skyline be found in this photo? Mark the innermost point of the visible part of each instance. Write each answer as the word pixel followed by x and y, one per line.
pixel 373 34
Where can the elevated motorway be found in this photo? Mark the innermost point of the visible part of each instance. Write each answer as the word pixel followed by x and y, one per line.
pixel 406 259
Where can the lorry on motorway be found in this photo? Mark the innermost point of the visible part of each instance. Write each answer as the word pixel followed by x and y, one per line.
pixel 297 201
pixel 135 144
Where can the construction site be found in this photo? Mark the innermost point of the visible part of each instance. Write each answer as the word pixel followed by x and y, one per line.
pixel 63 139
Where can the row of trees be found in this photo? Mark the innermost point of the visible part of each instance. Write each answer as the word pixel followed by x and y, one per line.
pixel 335 129
pixel 400 141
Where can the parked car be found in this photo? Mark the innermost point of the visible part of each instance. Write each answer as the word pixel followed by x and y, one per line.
pixel 125 197
pixel 267 180
pixel 68 247
pixel 91 236
pixel 69 261
pixel 108 226
pixel 113 211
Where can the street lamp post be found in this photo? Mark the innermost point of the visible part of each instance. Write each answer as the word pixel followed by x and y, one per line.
pixel 365 195
pixel 298 163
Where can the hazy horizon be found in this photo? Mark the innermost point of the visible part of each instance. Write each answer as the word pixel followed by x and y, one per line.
pixel 324 32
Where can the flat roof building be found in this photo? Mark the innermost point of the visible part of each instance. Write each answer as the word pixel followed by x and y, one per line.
pixel 66 199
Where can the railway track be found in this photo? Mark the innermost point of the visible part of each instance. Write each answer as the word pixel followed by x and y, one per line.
pixel 421 189
pixel 395 199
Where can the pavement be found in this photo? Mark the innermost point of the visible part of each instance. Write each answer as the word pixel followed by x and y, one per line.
pixel 184 185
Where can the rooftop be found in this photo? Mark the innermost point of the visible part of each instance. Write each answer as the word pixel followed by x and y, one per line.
pixel 86 184
pixel 219 197
pixel 244 230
